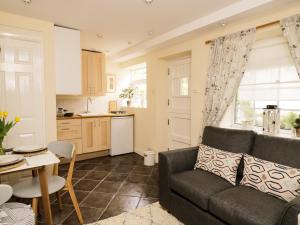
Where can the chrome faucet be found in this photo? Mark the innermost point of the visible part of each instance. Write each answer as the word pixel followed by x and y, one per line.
pixel 88 100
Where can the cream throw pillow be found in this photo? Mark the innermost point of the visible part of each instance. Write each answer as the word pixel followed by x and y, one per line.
pixel 218 162
pixel 278 180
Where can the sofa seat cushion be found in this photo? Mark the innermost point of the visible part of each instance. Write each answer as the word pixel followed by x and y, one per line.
pixel 198 185
pixel 247 206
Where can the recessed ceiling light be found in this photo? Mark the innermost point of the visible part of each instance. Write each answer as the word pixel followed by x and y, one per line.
pixel 150 33
pixel 27 2
pixel 100 36
pixel 148 2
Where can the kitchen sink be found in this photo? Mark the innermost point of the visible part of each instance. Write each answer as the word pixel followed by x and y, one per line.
pixel 90 114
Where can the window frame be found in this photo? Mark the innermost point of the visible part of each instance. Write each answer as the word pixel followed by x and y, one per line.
pixel 132 83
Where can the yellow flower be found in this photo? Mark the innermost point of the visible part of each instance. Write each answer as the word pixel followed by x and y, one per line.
pixel 1 113
pixel 17 119
pixel 5 114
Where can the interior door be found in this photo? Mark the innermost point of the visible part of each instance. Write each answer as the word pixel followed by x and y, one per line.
pixel 179 103
pixel 21 90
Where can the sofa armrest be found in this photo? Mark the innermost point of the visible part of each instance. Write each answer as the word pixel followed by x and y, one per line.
pixel 173 162
pixel 290 213
pixel 178 160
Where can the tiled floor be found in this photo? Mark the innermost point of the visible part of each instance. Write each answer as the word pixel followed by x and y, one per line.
pixel 106 187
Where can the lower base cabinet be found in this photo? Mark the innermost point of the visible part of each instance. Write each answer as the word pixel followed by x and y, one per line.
pixel 89 134
pixel 95 134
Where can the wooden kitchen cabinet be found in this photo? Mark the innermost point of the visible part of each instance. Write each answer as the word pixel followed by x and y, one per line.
pixel 95 134
pixel 89 135
pixel 104 129
pixel 70 131
pixel 93 73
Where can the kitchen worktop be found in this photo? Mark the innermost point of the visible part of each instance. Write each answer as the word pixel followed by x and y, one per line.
pixel 94 116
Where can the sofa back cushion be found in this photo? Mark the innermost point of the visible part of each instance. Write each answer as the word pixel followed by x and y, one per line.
pixel 278 150
pixel 237 141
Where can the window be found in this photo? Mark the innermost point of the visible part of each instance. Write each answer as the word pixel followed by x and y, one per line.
pixel 270 79
pixel 137 76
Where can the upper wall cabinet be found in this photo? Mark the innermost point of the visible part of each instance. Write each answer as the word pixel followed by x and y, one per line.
pixel 93 73
pixel 67 61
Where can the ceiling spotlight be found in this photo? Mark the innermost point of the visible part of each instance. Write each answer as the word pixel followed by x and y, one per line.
pixel 27 2
pixel 150 33
pixel 100 36
pixel 148 2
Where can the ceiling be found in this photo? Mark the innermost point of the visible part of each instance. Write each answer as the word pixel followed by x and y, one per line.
pixel 124 24
pixel 119 21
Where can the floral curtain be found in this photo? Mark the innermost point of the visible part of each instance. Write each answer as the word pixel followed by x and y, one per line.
pixel 291 30
pixel 229 55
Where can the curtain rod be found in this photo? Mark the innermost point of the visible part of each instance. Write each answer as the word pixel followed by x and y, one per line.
pixel 257 28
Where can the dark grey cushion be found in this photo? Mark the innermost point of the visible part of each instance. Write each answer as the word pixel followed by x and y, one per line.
pixel 238 141
pixel 279 150
pixel 198 185
pixel 246 206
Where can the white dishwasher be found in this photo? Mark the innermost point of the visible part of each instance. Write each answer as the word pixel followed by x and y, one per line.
pixel 121 135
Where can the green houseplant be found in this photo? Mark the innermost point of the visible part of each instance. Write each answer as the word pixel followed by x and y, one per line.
pixel 128 94
pixel 5 127
pixel 297 126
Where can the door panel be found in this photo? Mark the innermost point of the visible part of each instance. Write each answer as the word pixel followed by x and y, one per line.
pixel 104 133
pixel 22 90
pixel 89 135
pixel 179 104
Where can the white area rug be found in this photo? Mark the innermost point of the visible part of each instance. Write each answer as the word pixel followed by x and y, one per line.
pixel 152 214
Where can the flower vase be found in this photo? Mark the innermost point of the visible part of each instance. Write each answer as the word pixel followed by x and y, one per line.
pixel 2 150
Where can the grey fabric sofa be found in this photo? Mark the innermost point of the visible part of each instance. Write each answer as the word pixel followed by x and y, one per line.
pixel 197 197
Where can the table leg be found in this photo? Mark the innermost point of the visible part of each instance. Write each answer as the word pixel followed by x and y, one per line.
pixel 45 194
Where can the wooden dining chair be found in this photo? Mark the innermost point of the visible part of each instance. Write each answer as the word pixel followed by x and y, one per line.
pixel 30 187
pixel 15 212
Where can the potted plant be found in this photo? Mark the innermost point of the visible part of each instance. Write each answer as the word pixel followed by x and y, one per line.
pixel 5 127
pixel 297 126
pixel 128 94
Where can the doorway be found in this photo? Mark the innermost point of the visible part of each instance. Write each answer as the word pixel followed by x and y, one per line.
pixel 179 103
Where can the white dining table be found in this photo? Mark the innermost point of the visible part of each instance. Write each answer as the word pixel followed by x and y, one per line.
pixel 39 163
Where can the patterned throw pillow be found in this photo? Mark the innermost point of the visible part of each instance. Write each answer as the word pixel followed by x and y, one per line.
pixel 278 180
pixel 221 163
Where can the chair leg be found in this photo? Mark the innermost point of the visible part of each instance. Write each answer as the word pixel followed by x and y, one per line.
pixel 75 203
pixel 59 199
pixel 35 206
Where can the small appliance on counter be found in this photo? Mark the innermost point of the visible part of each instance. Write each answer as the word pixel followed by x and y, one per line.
pixel 61 112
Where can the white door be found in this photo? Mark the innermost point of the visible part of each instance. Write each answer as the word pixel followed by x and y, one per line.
pixel 179 104
pixel 21 90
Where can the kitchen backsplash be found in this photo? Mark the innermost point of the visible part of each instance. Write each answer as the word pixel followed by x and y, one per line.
pixel 78 104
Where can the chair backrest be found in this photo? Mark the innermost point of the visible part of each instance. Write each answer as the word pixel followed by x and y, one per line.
pixel 62 149
pixel 65 150
pixel 6 192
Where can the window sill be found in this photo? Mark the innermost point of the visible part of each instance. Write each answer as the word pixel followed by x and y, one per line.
pixel 283 133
